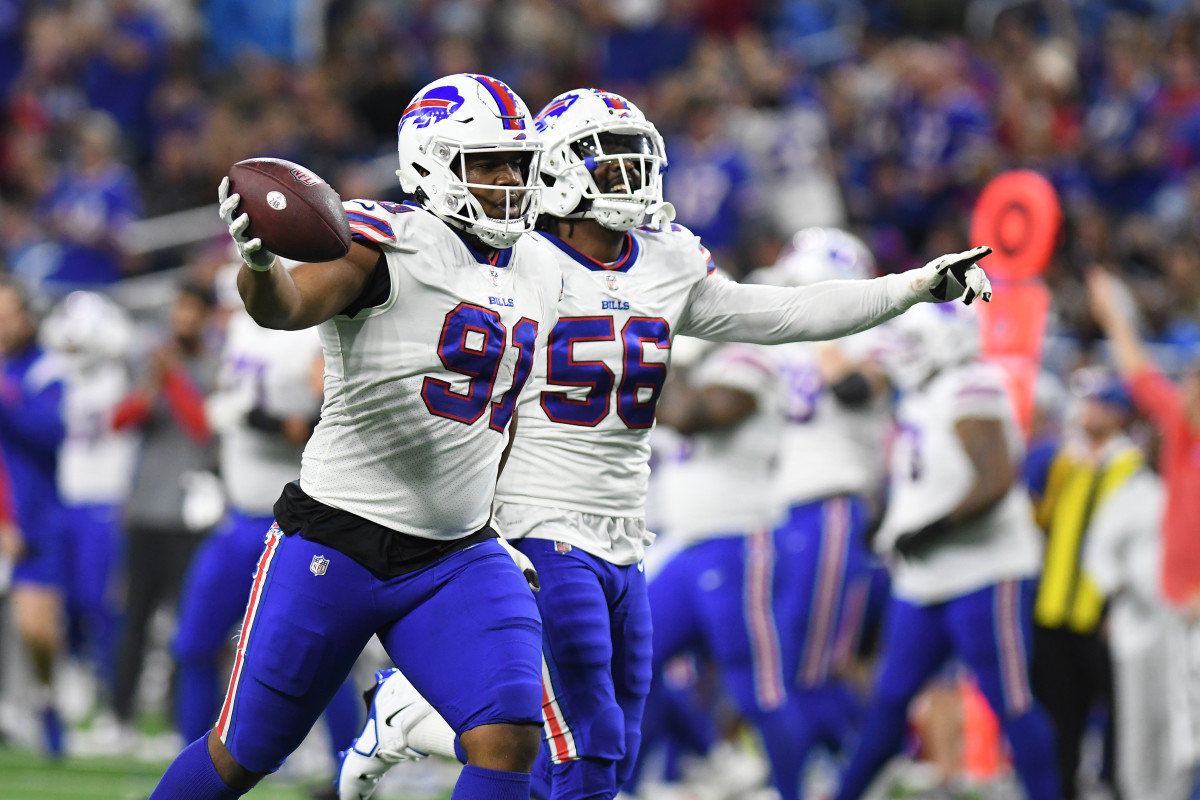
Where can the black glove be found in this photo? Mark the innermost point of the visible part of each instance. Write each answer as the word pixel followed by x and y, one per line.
pixel 918 543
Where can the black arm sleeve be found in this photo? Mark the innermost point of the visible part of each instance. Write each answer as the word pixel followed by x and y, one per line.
pixel 918 543
pixel 375 293
pixel 267 422
pixel 263 421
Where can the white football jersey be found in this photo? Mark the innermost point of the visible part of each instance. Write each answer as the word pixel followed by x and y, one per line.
pixel 95 462
pixel 720 483
pixel 420 389
pixel 269 370
pixel 583 435
pixel 931 473
pixel 829 449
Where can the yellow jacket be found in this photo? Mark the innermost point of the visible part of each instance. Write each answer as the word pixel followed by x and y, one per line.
pixel 1067 596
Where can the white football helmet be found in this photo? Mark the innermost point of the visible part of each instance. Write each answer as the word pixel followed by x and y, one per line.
pixel 456 117
pixel 585 129
pixel 928 338
pixel 88 326
pixel 819 254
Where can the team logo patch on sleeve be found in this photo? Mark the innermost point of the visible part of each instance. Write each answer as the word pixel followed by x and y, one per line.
pixel 319 565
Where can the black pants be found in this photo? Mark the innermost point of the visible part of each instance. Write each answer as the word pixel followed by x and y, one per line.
pixel 156 562
pixel 1072 674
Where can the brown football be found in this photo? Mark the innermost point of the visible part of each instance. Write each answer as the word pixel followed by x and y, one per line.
pixel 295 213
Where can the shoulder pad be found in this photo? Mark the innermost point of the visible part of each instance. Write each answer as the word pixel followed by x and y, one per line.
pixel 374 221
pixel 684 239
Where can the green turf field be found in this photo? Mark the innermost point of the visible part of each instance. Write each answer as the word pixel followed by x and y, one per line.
pixel 26 776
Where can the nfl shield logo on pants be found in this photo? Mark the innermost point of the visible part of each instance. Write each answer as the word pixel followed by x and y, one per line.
pixel 319 565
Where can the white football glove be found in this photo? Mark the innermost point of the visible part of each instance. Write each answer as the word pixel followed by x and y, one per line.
pixel 227 410
pixel 952 276
pixel 256 256
pixel 523 563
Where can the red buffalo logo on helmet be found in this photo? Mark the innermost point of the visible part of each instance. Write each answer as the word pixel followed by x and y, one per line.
pixel 436 104
pixel 554 111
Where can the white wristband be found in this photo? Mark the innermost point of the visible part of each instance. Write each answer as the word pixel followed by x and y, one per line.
pixel 259 267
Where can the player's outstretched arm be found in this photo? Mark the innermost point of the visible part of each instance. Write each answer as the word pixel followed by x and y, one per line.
pixel 300 298
pixel 721 310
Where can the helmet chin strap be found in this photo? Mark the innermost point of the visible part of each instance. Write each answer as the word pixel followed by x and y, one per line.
pixel 661 213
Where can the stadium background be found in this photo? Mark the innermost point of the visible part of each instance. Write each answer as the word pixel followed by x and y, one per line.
pixel 886 117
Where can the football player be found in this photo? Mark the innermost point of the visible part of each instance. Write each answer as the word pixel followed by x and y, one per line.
pixel 267 401
pixel 960 530
pixel 797 594
pixel 31 433
pixel 716 594
pixel 572 494
pixel 779 609
pixel 829 481
pixel 429 326
pixel 92 334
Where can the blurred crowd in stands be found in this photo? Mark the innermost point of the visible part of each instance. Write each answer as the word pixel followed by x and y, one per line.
pixel 884 117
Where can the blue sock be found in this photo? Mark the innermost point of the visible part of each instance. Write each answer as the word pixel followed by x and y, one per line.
pixel 787 741
pixel 882 737
pixel 197 698
pixel 1031 740
pixel 539 780
pixel 477 783
pixel 192 776
pixel 584 779
pixel 342 717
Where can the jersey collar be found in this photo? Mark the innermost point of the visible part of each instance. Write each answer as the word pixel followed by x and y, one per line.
pixel 629 254
pixel 498 258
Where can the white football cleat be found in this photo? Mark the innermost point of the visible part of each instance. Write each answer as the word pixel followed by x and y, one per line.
pixel 394 709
